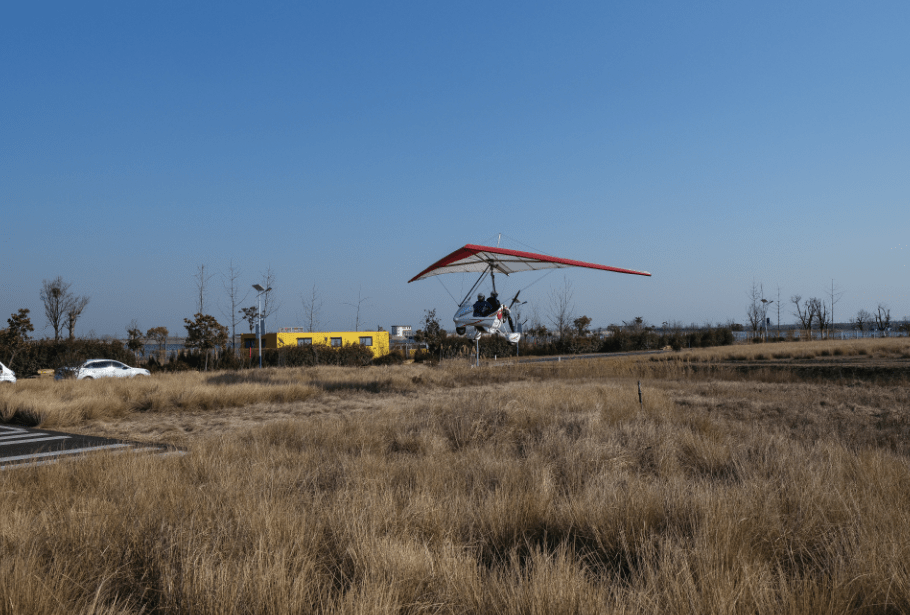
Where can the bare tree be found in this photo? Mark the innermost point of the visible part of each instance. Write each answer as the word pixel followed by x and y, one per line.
pixel 55 294
pixel 229 281
pixel 269 304
pixel 754 316
pixel 804 313
pixel 834 296
pixel 861 320
pixel 357 306
pixel 73 312
pixel 562 309
pixel 312 310
pixel 822 317
pixel 202 280
pixel 61 308
pixel 882 318
pixel 755 311
pixel 536 328
pixel 778 310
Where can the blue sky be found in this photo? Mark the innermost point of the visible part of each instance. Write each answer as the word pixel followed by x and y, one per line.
pixel 350 144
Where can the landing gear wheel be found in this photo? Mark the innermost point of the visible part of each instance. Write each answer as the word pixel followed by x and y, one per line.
pixel 460 330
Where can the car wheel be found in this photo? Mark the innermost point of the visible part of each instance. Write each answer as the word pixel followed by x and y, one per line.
pixel 88 378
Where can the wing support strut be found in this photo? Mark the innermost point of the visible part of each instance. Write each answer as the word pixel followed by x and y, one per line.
pixel 473 288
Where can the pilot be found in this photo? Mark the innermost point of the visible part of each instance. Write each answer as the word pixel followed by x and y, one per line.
pixel 481 306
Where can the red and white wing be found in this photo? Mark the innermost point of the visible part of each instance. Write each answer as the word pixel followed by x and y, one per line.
pixel 473 258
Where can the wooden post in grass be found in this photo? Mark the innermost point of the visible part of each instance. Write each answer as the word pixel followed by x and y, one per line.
pixel 641 404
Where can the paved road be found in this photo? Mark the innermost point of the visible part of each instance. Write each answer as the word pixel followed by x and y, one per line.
pixel 25 446
pixel 595 355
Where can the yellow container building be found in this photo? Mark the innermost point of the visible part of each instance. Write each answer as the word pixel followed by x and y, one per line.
pixel 377 341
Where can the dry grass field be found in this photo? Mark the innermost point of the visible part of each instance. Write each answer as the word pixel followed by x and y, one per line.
pixel 753 479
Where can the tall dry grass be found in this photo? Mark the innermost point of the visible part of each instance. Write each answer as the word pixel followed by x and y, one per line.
pixel 50 403
pixel 549 491
pixel 895 347
pixel 68 402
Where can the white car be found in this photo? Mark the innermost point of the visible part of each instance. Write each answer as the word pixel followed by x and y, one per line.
pixel 6 374
pixel 100 368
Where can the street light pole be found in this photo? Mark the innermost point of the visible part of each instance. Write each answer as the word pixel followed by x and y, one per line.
pixel 261 292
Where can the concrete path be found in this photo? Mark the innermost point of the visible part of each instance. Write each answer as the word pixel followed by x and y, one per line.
pixel 28 447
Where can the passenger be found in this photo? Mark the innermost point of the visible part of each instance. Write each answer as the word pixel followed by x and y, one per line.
pixel 494 303
pixel 481 307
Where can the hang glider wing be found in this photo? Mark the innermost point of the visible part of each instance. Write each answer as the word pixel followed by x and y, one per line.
pixel 473 258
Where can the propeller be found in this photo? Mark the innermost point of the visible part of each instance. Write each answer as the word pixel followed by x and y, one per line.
pixel 511 305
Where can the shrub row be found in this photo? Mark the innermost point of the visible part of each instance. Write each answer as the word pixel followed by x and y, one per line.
pixel 189 360
pixel 702 338
pixel 620 341
pixel 48 354
pixel 452 347
pixel 352 355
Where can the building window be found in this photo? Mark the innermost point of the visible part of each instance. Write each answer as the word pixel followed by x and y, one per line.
pixel 304 341
pixel 336 341
pixel 366 341
pixel 250 343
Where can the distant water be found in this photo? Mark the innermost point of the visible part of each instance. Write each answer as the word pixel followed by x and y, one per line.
pixel 152 348
pixel 169 348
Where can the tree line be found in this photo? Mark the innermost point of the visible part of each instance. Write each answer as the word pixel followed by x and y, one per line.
pixel 205 347
pixel 814 313
pixel 26 356
pixel 206 344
